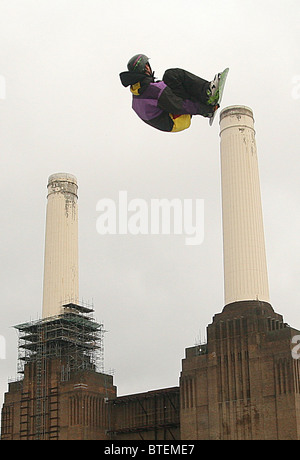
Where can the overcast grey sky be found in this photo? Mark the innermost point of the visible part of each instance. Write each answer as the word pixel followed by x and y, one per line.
pixel 63 109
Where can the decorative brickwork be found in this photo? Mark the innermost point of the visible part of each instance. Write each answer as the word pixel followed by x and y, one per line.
pixel 244 384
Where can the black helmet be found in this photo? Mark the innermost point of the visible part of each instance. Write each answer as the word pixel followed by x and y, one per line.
pixel 137 63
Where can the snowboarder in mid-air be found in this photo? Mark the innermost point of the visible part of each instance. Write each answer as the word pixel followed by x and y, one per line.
pixel 169 105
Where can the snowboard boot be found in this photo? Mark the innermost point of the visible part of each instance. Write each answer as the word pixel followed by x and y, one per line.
pixel 213 90
pixel 212 111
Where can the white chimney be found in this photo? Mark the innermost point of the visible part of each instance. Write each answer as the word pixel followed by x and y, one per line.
pixel 245 267
pixel 61 281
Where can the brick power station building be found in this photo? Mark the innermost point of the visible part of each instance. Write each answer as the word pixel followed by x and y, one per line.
pixel 243 384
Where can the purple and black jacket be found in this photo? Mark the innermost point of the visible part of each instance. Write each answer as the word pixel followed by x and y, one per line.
pixel 158 105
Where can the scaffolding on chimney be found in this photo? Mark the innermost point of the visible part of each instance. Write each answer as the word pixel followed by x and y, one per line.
pixel 73 337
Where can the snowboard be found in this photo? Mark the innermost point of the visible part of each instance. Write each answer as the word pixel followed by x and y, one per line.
pixel 220 90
